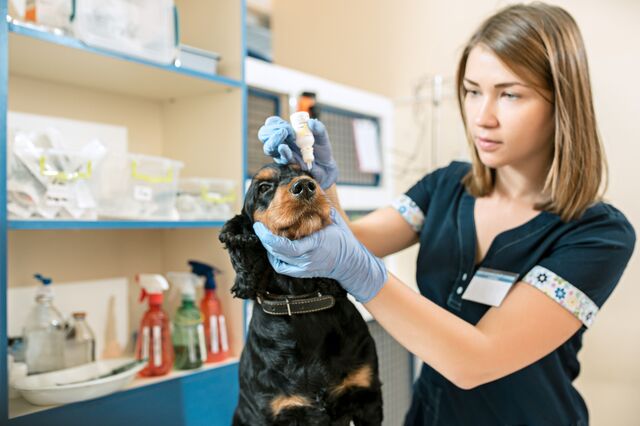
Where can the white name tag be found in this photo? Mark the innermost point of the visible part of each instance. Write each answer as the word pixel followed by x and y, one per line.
pixel 489 286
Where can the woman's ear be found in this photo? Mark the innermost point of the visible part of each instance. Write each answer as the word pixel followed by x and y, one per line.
pixel 248 257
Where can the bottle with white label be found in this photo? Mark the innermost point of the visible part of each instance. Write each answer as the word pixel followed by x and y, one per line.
pixel 215 324
pixel 188 330
pixel 154 338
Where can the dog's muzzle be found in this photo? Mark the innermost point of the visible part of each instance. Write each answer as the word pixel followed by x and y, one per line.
pixel 273 304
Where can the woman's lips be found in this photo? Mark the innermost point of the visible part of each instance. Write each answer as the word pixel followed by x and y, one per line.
pixel 487 144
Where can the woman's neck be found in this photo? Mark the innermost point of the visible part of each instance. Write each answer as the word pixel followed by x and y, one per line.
pixel 522 184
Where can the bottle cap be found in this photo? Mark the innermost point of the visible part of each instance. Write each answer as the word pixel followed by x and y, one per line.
pixel 152 285
pixel 205 270
pixel 187 282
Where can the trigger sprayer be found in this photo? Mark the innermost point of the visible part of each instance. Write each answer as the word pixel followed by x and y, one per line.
pixel 215 324
pixel 188 331
pixel 154 338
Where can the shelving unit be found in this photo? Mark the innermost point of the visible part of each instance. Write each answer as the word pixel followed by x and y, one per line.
pixel 186 115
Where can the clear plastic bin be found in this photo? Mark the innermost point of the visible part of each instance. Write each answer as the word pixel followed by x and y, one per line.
pixel 141 28
pixel 142 187
pixel 46 180
pixel 205 199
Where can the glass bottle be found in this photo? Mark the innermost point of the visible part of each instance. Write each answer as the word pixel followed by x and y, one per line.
pixel 80 346
pixel 44 333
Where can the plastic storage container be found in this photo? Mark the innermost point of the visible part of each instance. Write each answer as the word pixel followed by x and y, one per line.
pixel 143 28
pixel 143 189
pixel 205 199
pixel 197 59
pixel 46 179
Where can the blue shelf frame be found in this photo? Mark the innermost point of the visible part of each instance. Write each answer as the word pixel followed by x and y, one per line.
pixel 105 224
pixel 74 43
pixel 207 397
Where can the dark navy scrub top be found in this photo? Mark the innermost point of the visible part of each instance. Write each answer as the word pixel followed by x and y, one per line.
pixel 577 264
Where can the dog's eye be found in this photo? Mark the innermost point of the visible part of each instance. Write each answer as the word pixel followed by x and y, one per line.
pixel 264 187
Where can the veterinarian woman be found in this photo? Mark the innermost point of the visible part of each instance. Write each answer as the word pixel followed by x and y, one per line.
pixel 525 216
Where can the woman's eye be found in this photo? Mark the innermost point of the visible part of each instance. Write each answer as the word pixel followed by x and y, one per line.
pixel 510 95
pixel 264 187
pixel 471 92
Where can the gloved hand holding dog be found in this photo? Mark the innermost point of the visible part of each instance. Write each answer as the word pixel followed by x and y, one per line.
pixel 333 252
pixel 279 142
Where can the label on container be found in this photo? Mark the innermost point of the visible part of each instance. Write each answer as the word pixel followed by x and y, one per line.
pixel 157 346
pixel 191 345
pixel 201 343
pixel 145 343
pixel 142 193
pixel 223 334
pixel 57 195
pixel 213 331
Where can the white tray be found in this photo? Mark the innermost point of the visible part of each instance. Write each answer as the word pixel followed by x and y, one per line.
pixel 75 384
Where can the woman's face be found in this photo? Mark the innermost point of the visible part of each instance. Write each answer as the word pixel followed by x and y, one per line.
pixel 511 124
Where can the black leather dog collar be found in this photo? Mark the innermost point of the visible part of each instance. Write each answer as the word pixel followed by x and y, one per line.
pixel 292 305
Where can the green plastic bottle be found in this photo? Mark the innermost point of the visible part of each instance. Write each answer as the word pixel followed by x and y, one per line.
pixel 188 330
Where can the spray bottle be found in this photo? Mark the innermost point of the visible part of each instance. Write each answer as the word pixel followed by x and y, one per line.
pixel 304 137
pixel 215 324
pixel 188 332
pixel 154 338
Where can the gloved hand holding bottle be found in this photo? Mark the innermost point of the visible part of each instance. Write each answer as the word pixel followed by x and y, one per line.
pixel 279 142
pixel 333 252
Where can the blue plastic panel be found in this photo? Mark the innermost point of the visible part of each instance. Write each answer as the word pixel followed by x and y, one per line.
pixel 207 398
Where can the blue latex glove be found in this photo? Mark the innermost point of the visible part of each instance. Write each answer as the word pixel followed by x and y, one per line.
pixel 333 252
pixel 279 142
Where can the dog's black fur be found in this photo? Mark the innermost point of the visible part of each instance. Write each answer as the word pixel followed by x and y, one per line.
pixel 307 369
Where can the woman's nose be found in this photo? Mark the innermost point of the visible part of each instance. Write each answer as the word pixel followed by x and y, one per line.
pixel 486 116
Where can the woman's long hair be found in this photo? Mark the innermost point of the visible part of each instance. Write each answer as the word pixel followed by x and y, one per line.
pixel 542 44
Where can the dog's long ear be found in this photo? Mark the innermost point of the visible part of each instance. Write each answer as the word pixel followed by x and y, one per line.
pixel 248 257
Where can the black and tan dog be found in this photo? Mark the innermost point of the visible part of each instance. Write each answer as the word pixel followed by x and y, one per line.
pixel 309 358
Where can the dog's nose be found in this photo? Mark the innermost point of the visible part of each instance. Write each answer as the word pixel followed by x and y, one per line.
pixel 304 188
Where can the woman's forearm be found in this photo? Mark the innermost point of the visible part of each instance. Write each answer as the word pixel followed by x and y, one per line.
pixel 383 231
pixel 449 344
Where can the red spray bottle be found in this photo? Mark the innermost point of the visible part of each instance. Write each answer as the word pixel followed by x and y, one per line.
pixel 215 324
pixel 154 338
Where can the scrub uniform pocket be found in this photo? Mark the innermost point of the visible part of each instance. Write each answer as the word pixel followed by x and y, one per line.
pixel 425 405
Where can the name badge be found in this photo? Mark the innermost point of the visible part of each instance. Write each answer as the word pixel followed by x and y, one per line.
pixel 489 286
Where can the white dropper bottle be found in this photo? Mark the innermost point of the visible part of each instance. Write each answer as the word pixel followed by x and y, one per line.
pixel 304 137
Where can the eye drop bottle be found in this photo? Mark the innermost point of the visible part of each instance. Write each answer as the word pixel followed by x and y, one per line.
pixel 304 137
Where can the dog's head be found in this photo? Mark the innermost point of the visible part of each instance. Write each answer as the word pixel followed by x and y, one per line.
pixel 290 203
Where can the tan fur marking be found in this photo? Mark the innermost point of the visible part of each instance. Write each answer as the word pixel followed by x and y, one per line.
pixel 360 378
pixel 265 174
pixel 282 402
pixel 292 218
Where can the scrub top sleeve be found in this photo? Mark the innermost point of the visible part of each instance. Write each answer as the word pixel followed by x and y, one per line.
pixel 585 265
pixel 414 203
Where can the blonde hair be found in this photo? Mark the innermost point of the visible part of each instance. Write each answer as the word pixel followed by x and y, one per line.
pixel 543 45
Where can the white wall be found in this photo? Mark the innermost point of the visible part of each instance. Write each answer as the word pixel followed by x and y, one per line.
pixel 387 47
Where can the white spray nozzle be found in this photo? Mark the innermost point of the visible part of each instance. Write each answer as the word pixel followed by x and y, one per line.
pixel 304 136
pixel 152 283
pixel 187 282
